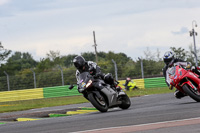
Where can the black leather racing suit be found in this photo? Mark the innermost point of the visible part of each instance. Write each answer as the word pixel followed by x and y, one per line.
pixel 89 67
pixel 94 69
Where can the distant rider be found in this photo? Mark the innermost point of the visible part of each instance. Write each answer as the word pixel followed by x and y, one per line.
pixel 129 84
pixel 170 60
pixel 89 66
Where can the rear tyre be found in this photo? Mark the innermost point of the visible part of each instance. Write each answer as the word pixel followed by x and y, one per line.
pixel 126 103
pixel 98 103
pixel 191 92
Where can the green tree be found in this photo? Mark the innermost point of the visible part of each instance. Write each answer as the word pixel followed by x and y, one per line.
pixel 130 69
pixel 67 60
pixel 4 53
pixel 148 54
pixel 89 56
pixel 180 52
pixel 44 64
pixel 52 60
pixel 19 61
pixel 54 57
pixel 190 54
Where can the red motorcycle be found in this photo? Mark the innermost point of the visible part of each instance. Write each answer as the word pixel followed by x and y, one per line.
pixel 185 81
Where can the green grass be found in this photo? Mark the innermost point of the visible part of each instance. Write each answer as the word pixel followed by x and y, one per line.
pixel 149 91
pixel 40 103
pixel 50 102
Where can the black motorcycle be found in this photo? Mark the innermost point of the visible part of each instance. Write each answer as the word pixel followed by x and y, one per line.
pixel 102 99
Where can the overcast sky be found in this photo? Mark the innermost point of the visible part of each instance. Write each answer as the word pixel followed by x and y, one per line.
pixel 128 26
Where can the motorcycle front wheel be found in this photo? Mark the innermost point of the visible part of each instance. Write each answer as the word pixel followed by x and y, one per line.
pixel 126 103
pixel 98 103
pixel 191 92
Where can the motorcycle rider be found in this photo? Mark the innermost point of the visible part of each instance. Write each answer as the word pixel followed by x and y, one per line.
pixel 170 60
pixel 89 66
pixel 129 84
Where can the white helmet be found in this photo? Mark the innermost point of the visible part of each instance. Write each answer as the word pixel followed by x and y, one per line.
pixel 169 57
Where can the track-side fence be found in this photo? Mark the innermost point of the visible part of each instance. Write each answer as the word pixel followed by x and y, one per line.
pixel 60 91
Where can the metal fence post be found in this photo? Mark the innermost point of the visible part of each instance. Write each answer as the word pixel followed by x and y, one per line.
pixel 61 75
pixel 193 33
pixel 34 78
pixel 115 65
pixel 141 63
pixel 7 80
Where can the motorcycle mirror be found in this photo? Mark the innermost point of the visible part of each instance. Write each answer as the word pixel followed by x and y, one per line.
pixel 71 87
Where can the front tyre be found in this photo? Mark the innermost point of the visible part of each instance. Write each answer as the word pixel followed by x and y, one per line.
pixel 191 92
pixel 126 103
pixel 98 103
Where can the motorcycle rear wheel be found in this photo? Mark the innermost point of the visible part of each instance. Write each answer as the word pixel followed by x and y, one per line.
pixel 99 104
pixel 126 103
pixel 192 93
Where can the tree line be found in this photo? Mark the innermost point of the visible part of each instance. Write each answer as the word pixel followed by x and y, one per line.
pixel 21 65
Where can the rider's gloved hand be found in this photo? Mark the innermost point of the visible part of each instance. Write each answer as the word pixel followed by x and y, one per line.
pixel 97 75
pixel 189 65
pixel 193 68
pixel 92 70
pixel 171 87
pixel 80 90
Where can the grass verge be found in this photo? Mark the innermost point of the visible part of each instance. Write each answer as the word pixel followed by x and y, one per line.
pixel 50 102
pixel 150 91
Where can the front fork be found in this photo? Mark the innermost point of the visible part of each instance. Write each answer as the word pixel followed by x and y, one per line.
pixel 190 84
pixel 97 94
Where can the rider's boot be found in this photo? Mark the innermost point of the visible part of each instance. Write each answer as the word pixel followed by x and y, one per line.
pixel 118 88
pixel 196 70
pixel 178 94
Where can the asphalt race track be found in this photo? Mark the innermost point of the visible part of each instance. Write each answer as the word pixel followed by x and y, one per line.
pixel 145 112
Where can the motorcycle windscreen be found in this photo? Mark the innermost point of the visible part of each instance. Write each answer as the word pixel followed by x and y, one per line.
pixel 83 79
pixel 172 71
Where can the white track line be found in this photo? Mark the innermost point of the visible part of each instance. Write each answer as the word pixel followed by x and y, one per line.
pixel 140 125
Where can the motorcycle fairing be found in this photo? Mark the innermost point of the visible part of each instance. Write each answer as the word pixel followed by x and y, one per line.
pixel 184 75
pixel 111 95
pixel 189 83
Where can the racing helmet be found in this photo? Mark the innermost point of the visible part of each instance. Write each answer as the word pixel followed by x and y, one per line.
pixel 169 57
pixel 108 78
pixel 128 79
pixel 79 62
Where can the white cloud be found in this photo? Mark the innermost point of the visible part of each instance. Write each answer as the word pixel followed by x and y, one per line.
pixel 125 30
pixel 2 2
